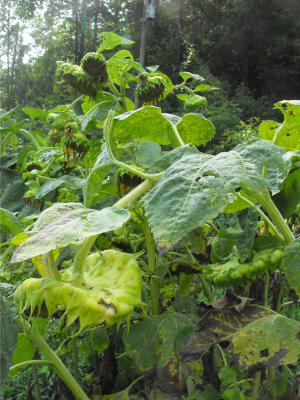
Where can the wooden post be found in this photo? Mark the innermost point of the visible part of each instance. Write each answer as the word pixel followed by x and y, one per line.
pixel 143 45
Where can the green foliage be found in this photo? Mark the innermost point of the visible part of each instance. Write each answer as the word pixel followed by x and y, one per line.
pixel 192 217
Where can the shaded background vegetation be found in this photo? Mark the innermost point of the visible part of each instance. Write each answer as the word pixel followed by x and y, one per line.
pixel 254 44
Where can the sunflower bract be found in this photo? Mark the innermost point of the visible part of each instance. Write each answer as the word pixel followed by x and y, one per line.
pixel 106 291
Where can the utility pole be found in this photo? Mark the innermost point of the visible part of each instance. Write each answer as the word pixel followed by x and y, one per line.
pixel 143 36
pixel 143 44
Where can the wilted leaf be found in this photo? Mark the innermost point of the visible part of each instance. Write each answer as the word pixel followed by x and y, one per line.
pixel 270 341
pixel 65 223
pixel 219 321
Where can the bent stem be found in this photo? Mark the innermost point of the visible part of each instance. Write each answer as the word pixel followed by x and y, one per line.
pixel 31 362
pixel 58 366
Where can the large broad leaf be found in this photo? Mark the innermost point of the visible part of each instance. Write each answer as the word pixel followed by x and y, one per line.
pixel 99 185
pixel 111 40
pixel 219 321
pixel 8 219
pixel 195 130
pixel 147 123
pixel 196 188
pixel 35 113
pixel 291 264
pixel 288 133
pixel 270 341
pixel 170 157
pixel 289 196
pixel 62 224
pixel 9 335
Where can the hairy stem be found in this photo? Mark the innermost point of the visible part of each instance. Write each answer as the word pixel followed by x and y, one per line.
pixel 37 388
pixel 49 266
pixel 82 253
pixel 255 388
pixel 75 358
pixel 58 366
pixel 271 377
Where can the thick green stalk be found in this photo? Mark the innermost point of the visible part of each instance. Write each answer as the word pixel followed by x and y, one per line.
pixel 154 295
pixel 255 389
pixel 135 194
pixel 266 219
pixel 82 253
pixel 73 104
pixel 49 266
pixel 271 377
pixel 37 388
pixel 267 203
pixel 29 137
pixel 175 132
pixel 58 366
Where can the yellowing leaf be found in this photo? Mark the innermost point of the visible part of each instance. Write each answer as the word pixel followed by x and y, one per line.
pixel 19 239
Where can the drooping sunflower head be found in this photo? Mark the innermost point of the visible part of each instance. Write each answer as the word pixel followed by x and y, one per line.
pixel 151 87
pixel 94 65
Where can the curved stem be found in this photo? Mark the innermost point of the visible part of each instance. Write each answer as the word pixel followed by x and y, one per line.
pixel 175 132
pixel 31 362
pixel 57 365
pixel 29 137
pixel 112 87
pixel 49 266
pixel 266 201
pixel 135 194
pixel 266 219
pixel 107 132
pixel 82 253
pixel 73 104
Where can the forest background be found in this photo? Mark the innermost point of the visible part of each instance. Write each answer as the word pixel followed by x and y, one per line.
pixel 249 49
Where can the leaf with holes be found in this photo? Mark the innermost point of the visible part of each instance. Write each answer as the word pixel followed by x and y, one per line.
pixel 270 341
pixel 287 134
pixel 196 188
pixel 220 321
